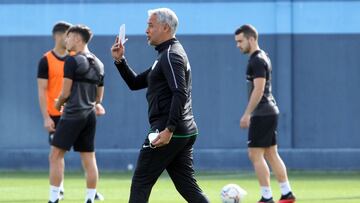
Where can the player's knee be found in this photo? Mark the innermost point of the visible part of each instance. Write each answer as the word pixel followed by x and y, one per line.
pixel 271 155
pixel 53 158
pixel 50 157
pixel 56 155
pixel 253 156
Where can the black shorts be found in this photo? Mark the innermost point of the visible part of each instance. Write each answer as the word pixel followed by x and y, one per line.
pixel 56 121
pixel 263 131
pixel 77 133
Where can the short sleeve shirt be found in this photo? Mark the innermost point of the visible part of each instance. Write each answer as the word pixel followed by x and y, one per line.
pixel 259 66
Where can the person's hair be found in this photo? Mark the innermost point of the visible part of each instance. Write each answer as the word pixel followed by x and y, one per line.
pixel 248 31
pixel 83 30
pixel 165 16
pixel 61 27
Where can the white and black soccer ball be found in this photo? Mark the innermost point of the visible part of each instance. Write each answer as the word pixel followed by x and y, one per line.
pixel 232 193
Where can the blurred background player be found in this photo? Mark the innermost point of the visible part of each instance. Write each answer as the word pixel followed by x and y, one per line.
pixel 50 80
pixel 83 88
pixel 261 117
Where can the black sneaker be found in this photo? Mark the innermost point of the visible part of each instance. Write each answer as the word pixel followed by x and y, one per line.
pixel 61 195
pixel 88 201
pixel 288 198
pixel 57 201
pixel 263 200
pixel 99 197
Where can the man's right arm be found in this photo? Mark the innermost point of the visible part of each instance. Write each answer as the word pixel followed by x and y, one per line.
pixel 133 80
pixel 100 110
pixel 259 69
pixel 42 80
pixel 42 88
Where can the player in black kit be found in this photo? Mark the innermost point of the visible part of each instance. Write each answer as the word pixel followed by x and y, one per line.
pixel 83 88
pixel 261 117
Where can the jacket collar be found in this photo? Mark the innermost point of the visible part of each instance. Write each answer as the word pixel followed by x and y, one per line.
pixel 161 47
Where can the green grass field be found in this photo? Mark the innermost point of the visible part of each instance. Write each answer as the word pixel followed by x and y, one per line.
pixel 309 187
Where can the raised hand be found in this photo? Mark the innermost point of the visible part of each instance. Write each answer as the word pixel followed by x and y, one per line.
pixel 118 49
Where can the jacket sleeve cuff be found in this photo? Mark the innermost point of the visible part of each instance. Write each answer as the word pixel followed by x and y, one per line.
pixel 171 128
pixel 121 61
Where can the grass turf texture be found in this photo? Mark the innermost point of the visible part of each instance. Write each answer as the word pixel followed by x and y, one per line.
pixel 309 187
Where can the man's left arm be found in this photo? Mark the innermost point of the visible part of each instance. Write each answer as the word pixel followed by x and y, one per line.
pixel 69 74
pixel 65 93
pixel 259 68
pixel 100 110
pixel 173 68
pixel 255 98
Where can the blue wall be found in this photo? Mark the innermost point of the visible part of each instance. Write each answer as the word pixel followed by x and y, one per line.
pixel 313 46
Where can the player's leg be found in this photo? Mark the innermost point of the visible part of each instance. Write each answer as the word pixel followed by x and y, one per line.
pixel 51 137
pixel 56 162
pixel 262 171
pixel 279 169
pixel 277 164
pixel 62 142
pixel 91 173
pixel 256 156
pixel 258 141
pixel 86 146
pixel 182 173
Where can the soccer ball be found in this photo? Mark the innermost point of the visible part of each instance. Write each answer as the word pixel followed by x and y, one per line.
pixel 232 193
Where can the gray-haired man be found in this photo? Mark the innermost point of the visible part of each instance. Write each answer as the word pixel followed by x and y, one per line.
pixel 168 83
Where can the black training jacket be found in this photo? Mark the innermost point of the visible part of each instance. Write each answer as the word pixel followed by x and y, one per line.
pixel 168 83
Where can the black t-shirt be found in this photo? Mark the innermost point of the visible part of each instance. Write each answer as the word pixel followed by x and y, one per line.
pixel 43 70
pixel 86 74
pixel 70 68
pixel 259 66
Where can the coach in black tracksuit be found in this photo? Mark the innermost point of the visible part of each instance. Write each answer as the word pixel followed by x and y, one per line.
pixel 168 83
